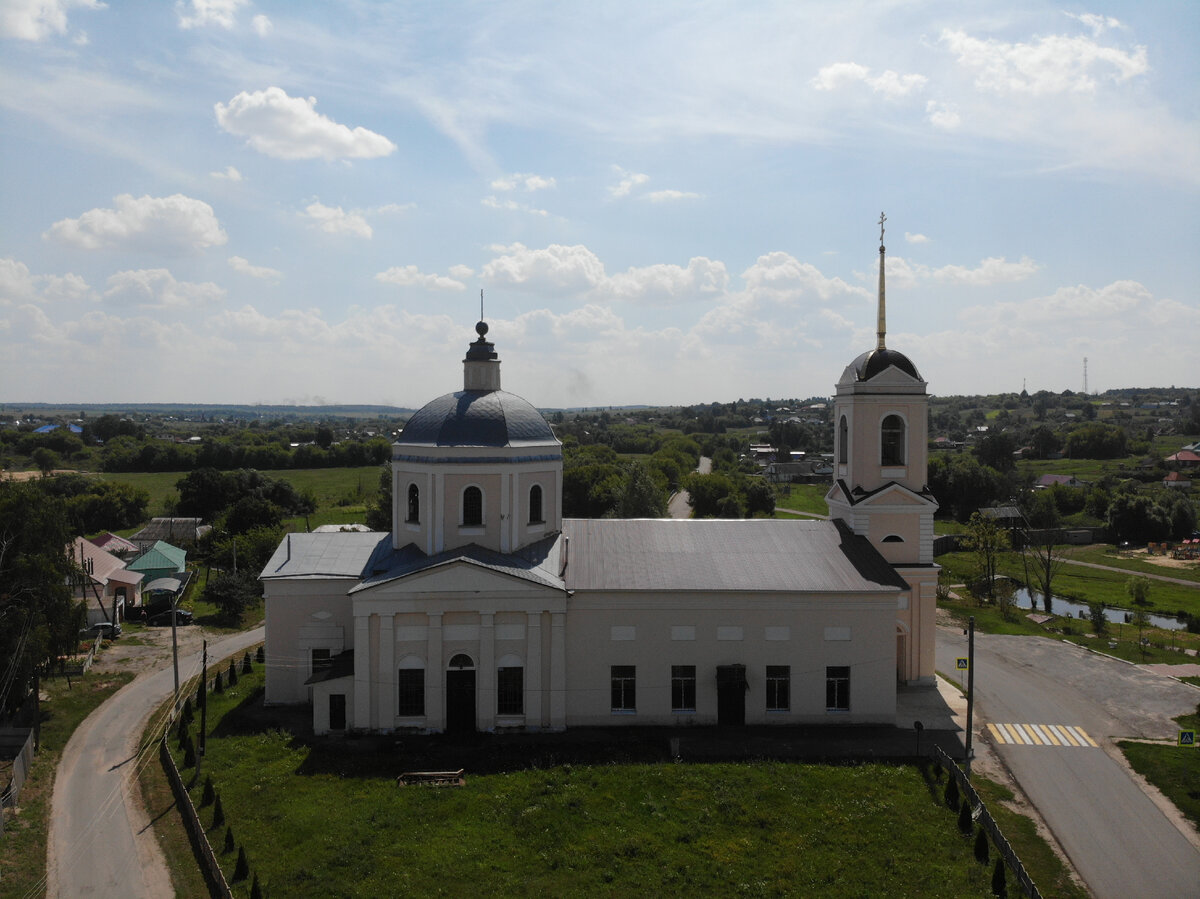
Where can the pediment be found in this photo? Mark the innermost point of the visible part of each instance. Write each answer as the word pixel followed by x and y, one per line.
pixel 896 495
pixel 458 576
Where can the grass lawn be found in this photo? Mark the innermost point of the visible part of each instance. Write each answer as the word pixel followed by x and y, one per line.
pixel 762 828
pixel 1135 563
pixel 803 498
pixel 23 845
pixel 1173 769
pixel 1083 584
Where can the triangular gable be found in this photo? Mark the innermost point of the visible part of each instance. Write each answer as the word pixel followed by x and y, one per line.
pixel 890 494
pixel 458 575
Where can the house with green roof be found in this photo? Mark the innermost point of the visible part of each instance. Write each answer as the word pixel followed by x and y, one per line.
pixel 160 560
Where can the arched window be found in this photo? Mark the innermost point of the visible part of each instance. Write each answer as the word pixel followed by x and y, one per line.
pixel 535 504
pixel 461 661
pixel 892 538
pixel 843 441
pixel 414 504
pixel 472 507
pixel 892 441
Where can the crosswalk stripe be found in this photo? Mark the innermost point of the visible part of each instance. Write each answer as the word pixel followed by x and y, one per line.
pixel 1061 735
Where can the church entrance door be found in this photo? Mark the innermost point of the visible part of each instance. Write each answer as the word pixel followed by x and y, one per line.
pixel 731 695
pixel 460 696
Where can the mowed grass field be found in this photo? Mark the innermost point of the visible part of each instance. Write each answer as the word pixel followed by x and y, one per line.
pixel 322 820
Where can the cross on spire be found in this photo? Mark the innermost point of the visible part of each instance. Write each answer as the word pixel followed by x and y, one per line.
pixel 881 328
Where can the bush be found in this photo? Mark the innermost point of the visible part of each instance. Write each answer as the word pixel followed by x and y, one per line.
pixel 981 847
pixel 208 795
pixel 965 824
pixel 246 669
pixel 218 813
pixel 228 839
pixel 189 753
pixel 219 686
pixel 255 889
pixel 999 885
pixel 232 673
pixel 260 656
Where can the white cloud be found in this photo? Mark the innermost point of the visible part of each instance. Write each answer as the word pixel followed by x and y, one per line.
pixel 198 13
pixel 335 220
pixel 156 288
pixel 668 196
pixel 993 270
pixel 229 174
pixel 519 181
pixel 781 274
pixel 889 83
pixel 18 285
pixel 942 115
pixel 262 25
pixel 1053 64
pixel 553 270
pixel 915 238
pixel 389 208
pixel 409 276
pixel 511 206
pixel 1097 23
pixel 628 181
pixel 243 267
pixel 665 283
pixel 461 272
pixel 36 20
pixel 171 224
pixel 290 128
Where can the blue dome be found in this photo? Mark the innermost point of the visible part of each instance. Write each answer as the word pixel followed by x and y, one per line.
pixel 477 418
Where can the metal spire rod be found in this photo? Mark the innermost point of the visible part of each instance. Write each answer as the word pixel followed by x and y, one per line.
pixel 881 328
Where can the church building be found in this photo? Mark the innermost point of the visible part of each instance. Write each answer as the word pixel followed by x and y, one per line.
pixel 485 610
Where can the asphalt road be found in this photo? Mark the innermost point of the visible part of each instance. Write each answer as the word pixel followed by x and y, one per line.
pixel 100 842
pixel 1119 840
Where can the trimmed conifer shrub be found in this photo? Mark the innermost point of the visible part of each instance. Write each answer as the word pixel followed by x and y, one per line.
pixel 260 656
pixel 999 882
pixel 187 714
pixel 246 669
pixel 242 869
pixel 181 731
pixel 189 753
pixel 232 673
pixel 208 795
pixel 229 839
pixel 219 686
pixel 965 824
pixel 982 854
pixel 255 889
pixel 951 795
pixel 218 812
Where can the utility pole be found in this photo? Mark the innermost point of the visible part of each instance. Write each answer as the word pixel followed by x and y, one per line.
pixel 203 706
pixel 970 688
pixel 175 646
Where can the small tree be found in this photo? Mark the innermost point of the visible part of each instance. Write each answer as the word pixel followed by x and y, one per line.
pixel 218 813
pixel 242 869
pixel 951 794
pixel 255 889
pixel 1005 591
pixel 999 884
pixel 987 540
pixel 189 753
pixel 1098 618
pixel 229 843
pixel 246 668
pixel 208 796
pixel 260 655
pixel 1043 560
pixel 1137 588
pixel 964 818
pixel 1142 619
pixel 982 854
pixel 219 686
pixel 232 673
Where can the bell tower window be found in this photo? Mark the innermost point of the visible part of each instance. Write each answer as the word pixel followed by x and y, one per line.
pixel 414 504
pixel 535 504
pixel 472 507
pixel 892 441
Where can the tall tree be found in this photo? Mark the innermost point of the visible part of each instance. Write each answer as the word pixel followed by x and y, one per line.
pixel 987 541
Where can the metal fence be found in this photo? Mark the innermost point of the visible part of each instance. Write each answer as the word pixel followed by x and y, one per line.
pixel 23 760
pixel 191 822
pixel 988 823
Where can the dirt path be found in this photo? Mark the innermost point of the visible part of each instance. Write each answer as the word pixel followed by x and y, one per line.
pixel 100 842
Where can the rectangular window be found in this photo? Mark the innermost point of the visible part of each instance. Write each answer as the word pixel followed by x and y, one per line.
pixel 510 691
pixel 321 660
pixel 683 688
pixel 779 688
pixel 410 688
pixel 624 688
pixel 837 688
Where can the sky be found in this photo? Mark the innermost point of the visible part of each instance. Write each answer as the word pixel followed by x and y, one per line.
pixel 233 201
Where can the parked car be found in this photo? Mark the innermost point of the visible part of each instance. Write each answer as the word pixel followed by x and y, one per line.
pixel 111 631
pixel 163 619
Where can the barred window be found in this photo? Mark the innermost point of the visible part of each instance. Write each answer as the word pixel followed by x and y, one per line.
pixel 837 688
pixel 535 504
pixel 892 441
pixel 683 688
pixel 472 507
pixel 411 690
pixel 624 688
pixel 510 691
pixel 414 504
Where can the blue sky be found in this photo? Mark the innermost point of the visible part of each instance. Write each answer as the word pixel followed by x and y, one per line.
pixel 239 202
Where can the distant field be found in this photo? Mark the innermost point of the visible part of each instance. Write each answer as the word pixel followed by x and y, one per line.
pixel 340 492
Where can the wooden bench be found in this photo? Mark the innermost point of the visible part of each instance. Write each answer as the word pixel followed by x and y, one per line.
pixel 432 778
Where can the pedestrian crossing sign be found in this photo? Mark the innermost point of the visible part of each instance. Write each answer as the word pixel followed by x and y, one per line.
pixel 1187 738
pixel 960 664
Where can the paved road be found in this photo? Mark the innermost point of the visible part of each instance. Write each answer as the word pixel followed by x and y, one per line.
pixel 678 506
pixel 100 844
pixel 1119 840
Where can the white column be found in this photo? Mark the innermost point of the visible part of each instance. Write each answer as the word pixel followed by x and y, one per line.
pixel 386 674
pixel 533 671
pixel 485 711
pixel 362 672
pixel 435 676
pixel 558 671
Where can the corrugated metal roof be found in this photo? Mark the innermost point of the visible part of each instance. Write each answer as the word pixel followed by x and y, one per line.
pixel 339 554
pixel 723 555
pixel 538 562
